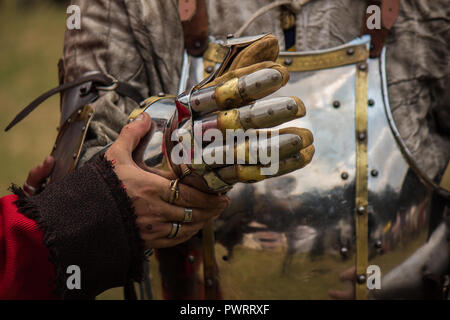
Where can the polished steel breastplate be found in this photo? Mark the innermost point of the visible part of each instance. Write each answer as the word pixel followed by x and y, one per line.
pixel 357 204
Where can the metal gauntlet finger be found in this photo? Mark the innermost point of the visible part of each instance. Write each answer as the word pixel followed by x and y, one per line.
pixel 240 87
pixel 261 114
pixel 249 173
pixel 249 151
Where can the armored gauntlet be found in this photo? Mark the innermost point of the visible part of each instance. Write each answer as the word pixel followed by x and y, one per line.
pixel 217 133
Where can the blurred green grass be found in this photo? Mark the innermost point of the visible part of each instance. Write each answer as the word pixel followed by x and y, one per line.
pixel 31 40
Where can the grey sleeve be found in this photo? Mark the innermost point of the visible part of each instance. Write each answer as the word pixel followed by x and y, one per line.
pixel 138 42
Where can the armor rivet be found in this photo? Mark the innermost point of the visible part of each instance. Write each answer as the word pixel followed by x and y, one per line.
pixel 361 136
pixel 363 66
pixel 336 104
pixel 230 36
pixel 79 111
pixel 371 102
pixel 54 147
pixel 350 51
pixel 197 44
pixel 276 77
pixel 90 114
pixel 361 279
pixel 374 173
pixel 288 61
pixel 248 119
pixel 290 106
pixel 361 210
pixel 74 155
pixel 69 120
pixel 197 101
pixel 209 69
pixel 209 282
pixel 191 259
pixel 84 128
pixel 270 112
pixel 344 175
pixel 378 244
pixel 161 94
pixel 344 251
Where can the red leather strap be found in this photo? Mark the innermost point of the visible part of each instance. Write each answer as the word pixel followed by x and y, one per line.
pixel 389 14
pixel 187 9
pixel 196 28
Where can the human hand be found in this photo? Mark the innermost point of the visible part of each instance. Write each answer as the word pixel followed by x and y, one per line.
pixel 151 194
pixel 37 176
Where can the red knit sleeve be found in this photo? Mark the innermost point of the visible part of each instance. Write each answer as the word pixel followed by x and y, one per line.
pixel 25 271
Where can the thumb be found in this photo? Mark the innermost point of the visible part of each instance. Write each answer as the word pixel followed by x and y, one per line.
pixel 130 136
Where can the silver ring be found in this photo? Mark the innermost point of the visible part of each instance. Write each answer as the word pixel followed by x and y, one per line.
pixel 187 215
pixel 174 231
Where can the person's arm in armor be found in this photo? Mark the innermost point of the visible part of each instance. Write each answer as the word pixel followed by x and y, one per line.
pixel 137 42
pixel 100 218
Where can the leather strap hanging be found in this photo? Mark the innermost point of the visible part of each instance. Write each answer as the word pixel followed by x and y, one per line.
pixel 101 81
pixel 389 14
pixel 194 18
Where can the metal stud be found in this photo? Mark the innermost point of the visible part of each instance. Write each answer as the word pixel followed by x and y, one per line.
pixel 362 66
pixel 209 69
pixel 361 279
pixel 161 94
pixel 74 155
pixel 230 36
pixel 80 111
pixel 361 210
pixel 69 120
pixel 54 147
pixel 191 259
pixel 344 175
pixel 361 136
pixel 197 44
pixel 336 104
pixel 84 128
pixel 371 102
pixel 288 61
pixel 344 251
pixel 378 244
pixel 374 173
pixel 209 282
pixel 350 51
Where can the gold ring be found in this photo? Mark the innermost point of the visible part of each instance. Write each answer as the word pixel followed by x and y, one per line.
pixel 174 231
pixel 187 215
pixel 174 193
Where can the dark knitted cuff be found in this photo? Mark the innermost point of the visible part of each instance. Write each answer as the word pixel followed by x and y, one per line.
pixel 88 221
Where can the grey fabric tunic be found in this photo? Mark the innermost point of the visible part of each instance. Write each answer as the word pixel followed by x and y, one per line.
pixel 141 42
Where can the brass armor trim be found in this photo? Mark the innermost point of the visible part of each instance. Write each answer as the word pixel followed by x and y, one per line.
pixel 362 193
pixel 147 103
pixel 317 61
pixel 214 55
